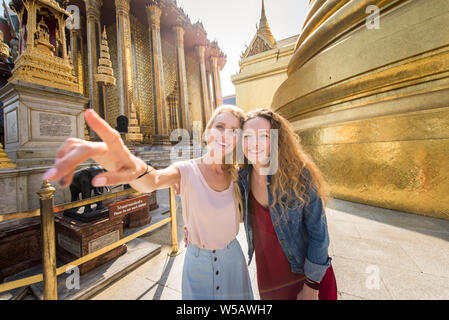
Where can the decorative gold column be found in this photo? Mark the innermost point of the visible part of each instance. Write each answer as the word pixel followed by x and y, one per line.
pixel 126 75
pixel 62 37
pixel 183 110
pixel 93 11
pixel 160 108
pixel 200 50
pixel 218 98
pixel 77 53
pixel 209 93
pixel 124 55
pixel 74 35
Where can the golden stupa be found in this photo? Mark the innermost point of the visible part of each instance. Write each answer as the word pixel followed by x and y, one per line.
pixel 368 92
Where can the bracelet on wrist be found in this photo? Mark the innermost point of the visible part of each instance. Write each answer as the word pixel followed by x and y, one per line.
pixel 147 171
pixel 312 284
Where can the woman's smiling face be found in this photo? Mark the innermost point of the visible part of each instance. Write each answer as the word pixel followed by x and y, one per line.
pixel 256 140
pixel 222 137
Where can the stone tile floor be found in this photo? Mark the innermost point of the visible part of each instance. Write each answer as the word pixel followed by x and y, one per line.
pixel 377 254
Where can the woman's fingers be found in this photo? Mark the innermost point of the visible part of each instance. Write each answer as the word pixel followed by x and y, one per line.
pixel 111 153
pixel 67 146
pixel 109 135
pixel 113 178
pixel 66 180
pixel 74 158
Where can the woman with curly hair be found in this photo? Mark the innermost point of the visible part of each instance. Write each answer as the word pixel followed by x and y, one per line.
pixel 284 199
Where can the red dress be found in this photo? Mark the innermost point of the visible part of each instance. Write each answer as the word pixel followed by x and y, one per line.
pixel 275 279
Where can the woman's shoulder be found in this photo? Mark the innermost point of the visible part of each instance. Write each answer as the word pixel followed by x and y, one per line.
pixel 184 163
pixel 185 166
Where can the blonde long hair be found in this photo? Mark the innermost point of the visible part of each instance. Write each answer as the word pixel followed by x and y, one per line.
pixel 293 162
pixel 232 168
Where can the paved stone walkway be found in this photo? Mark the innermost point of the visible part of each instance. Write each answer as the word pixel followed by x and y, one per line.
pixel 377 254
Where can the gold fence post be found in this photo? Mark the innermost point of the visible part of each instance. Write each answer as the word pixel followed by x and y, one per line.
pixel 174 233
pixel 46 194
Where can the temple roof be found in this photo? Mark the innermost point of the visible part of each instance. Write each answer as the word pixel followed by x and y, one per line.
pixel 263 40
pixel 17 4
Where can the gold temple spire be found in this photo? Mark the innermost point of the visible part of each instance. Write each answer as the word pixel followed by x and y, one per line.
pixel 264 28
pixel 105 75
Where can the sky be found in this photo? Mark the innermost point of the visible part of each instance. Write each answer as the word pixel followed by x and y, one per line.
pixel 233 24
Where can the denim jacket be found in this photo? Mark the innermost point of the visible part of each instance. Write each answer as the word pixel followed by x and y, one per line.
pixel 303 235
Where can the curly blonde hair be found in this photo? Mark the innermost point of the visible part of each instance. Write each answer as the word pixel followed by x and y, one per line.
pixel 296 171
pixel 232 168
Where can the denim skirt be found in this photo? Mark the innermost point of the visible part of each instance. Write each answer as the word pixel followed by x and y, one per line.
pixel 216 274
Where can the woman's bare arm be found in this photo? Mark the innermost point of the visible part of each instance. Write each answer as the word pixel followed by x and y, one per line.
pixel 157 179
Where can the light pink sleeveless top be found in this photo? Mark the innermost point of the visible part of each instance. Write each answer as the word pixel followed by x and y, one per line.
pixel 211 216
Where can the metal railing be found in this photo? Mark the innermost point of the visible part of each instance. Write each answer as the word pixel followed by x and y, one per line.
pixel 46 212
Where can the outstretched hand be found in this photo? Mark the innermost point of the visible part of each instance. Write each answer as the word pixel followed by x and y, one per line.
pixel 112 154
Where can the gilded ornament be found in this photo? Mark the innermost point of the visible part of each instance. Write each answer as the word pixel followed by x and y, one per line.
pixel 4 48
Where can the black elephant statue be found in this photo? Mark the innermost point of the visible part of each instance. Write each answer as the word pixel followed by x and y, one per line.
pixel 82 184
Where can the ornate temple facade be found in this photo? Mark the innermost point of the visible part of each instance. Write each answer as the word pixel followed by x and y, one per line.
pixel 263 67
pixel 166 73
pixel 166 70
pixel 141 64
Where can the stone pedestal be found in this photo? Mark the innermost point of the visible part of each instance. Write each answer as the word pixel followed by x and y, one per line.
pixel 75 239
pixel 38 120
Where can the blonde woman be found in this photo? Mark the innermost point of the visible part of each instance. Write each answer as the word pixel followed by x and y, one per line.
pixel 214 266
pixel 285 218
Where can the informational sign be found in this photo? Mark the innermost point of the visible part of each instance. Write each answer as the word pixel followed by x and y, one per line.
pixel 128 206
pixel 103 241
